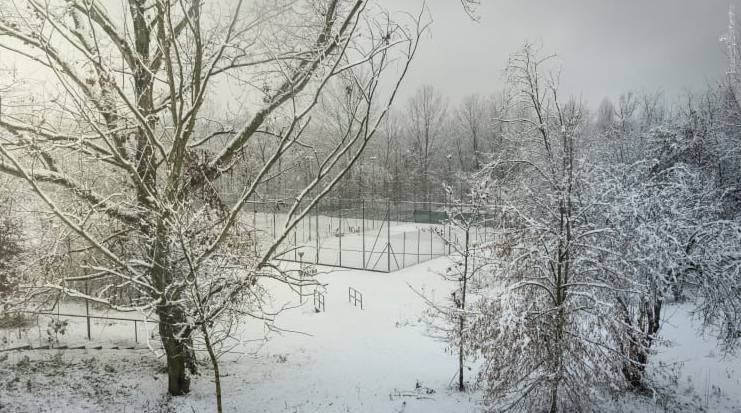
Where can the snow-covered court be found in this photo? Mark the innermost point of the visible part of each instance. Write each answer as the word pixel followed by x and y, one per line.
pixel 344 359
pixel 383 245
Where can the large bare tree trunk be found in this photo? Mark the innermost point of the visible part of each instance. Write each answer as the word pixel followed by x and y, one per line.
pixel 175 333
pixel 178 350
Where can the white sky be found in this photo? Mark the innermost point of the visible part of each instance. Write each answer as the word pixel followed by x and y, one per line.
pixel 605 47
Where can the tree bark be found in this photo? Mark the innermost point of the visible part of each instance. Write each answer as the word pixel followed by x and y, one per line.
pixel 177 344
pixel 175 333
pixel 215 363
pixel 639 344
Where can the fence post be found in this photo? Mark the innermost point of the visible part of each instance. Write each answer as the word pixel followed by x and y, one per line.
pixel 373 221
pixel 87 311
pixel 404 250
pixel 388 240
pixel 431 231
pixel 362 223
pixel 316 228
pixel 419 236
pixel 136 333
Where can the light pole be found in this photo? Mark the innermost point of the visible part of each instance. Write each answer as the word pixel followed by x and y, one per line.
pixel 373 169
pixel 301 276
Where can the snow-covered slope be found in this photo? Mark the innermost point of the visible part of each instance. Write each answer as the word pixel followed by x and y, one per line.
pixel 343 360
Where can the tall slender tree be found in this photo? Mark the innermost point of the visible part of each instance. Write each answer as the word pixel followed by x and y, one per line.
pixel 427 111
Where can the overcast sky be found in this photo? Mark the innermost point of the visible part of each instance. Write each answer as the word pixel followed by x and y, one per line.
pixel 605 46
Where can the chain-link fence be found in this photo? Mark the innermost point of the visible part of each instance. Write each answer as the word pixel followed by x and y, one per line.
pixel 374 235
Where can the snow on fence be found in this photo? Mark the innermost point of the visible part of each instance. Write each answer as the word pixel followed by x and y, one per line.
pixel 373 235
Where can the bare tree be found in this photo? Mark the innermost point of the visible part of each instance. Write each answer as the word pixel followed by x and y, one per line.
pixel 472 119
pixel 126 98
pixel 450 321
pixel 427 111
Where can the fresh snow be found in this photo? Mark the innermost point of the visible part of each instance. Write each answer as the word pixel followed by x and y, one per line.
pixel 343 360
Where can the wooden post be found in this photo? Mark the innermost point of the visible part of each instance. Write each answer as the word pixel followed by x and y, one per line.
pixel 136 333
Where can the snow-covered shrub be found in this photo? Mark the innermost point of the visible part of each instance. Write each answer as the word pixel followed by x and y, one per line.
pixel 546 334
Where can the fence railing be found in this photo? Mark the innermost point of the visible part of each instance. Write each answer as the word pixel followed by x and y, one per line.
pixel 89 317
pixel 354 297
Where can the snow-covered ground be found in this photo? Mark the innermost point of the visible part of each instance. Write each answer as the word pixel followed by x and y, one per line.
pixel 705 378
pixel 347 360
